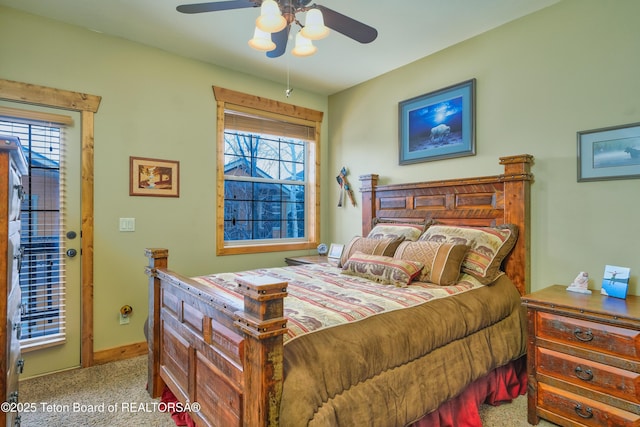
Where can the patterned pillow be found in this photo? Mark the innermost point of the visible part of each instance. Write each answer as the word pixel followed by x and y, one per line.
pixel 386 247
pixel 441 261
pixel 389 230
pixel 488 246
pixel 383 269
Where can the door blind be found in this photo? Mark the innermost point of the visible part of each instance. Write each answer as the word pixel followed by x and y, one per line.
pixel 42 273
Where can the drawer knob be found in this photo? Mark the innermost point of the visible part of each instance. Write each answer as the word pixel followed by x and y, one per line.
pixel 20 190
pixel 583 374
pixel 583 336
pixel 18 257
pixel 583 413
pixel 18 328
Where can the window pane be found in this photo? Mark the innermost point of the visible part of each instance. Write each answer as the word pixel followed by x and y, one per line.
pixel 267 169
pixel 236 211
pixel 268 191
pixel 266 156
pixel 294 210
pixel 267 211
pixel 293 151
pixel 237 230
pixel 238 144
pixel 268 149
pixel 238 190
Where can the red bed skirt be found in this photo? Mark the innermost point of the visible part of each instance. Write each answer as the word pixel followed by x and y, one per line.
pixel 501 385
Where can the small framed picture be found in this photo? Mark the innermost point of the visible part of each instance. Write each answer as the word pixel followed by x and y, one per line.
pixel 609 153
pixel 335 251
pixel 615 281
pixel 154 177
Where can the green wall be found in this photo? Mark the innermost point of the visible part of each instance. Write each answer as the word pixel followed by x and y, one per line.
pixel 540 79
pixel 571 67
pixel 154 104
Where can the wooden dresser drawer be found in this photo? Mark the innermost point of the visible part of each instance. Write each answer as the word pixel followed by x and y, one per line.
pixel 596 376
pixel 582 410
pixel 599 337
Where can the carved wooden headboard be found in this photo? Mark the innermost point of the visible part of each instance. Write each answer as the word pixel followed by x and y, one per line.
pixel 480 201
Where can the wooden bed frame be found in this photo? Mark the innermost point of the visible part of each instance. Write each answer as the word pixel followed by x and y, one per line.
pixel 229 359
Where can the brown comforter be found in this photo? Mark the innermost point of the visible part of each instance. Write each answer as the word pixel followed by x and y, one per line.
pixel 398 357
pixel 391 369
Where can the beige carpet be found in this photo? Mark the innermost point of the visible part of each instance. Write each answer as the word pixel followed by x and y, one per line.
pixel 116 391
pixel 114 395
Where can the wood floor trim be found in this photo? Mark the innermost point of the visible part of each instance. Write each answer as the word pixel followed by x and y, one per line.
pixel 120 353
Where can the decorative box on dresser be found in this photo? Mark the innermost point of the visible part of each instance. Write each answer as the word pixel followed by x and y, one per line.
pixel 583 358
pixel 12 167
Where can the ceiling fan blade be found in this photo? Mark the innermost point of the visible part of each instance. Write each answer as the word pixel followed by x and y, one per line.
pixel 216 6
pixel 280 39
pixel 351 28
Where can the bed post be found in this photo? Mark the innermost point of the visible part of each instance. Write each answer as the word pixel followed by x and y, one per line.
pixel 517 180
pixel 264 325
pixel 158 258
pixel 367 188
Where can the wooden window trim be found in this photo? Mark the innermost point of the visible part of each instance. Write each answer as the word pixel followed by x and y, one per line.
pixel 227 98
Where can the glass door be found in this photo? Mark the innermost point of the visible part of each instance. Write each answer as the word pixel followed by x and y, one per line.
pixel 50 240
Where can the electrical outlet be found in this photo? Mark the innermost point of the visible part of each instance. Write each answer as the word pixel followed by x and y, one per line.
pixel 124 320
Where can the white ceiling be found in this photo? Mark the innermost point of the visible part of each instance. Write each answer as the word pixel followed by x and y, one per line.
pixel 407 30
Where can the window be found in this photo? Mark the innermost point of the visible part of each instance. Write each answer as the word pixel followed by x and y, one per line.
pixel 268 184
pixel 42 272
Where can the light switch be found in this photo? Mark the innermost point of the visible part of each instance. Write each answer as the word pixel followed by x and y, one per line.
pixel 127 224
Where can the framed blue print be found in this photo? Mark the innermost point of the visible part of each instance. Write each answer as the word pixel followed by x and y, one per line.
pixel 438 125
pixel 609 153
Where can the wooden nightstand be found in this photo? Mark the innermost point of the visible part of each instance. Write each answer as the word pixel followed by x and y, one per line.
pixel 583 358
pixel 310 259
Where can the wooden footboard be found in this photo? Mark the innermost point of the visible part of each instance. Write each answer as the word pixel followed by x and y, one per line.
pixel 209 350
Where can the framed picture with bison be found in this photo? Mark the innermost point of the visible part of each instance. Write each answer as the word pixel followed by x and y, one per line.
pixel 438 125
pixel 609 153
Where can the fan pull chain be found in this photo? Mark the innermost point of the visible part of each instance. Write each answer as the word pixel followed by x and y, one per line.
pixel 289 88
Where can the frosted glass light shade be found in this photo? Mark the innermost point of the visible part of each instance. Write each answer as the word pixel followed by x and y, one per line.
pixel 303 46
pixel 270 19
pixel 314 28
pixel 262 41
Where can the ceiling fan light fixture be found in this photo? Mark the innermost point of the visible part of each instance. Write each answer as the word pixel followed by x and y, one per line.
pixel 262 41
pixel 270 19
pixel 314 28
pixel 303 46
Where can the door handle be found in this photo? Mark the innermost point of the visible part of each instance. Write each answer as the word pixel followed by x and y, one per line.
pixel 71 253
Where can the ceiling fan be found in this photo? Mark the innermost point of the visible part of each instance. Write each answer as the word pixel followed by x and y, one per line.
pixel 273 38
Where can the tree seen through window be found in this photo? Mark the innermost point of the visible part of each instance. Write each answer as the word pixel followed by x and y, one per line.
pixel 264 188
